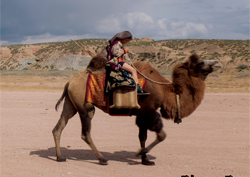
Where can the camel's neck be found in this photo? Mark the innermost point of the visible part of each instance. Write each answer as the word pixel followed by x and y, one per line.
pixel 191 93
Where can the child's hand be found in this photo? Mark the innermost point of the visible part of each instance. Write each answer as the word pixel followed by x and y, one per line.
pixel 126 50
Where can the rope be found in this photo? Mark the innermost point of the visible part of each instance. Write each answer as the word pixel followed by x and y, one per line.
pixel 177 95
pixel 162 83
pixel 178 106
pixel 84 48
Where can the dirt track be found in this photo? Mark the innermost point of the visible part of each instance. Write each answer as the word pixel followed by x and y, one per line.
pixel 213 141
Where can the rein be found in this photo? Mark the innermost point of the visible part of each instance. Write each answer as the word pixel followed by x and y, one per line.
pixel 140 72
pixel 178 109
pixel 177 96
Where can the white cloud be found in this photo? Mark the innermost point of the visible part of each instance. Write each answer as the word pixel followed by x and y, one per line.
pixel 143 24
pixel 161 24
pixel 44 38
pixel 3 43
pixel 193 27
pixel 176 25
pixel 136 21
pixel 180 29
pixel 110 24
pixel 139 20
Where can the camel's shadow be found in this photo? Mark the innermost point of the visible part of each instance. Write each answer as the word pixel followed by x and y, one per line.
pixel 86 155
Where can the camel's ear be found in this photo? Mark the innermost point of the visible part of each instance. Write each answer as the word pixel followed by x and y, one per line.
pixel 194 58
pixel 186 64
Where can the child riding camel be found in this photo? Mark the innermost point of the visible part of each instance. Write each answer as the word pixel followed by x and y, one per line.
pixel 115 55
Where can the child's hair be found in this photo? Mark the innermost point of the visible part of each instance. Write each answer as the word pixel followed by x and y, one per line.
pixel 120 36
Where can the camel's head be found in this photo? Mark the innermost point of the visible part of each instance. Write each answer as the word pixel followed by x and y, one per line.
pixel 201 68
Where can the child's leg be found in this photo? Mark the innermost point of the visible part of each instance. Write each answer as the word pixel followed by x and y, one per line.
pixel 132 70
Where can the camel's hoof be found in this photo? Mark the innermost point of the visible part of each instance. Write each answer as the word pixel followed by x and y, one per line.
pixel 177 121
pixel 147 162
pixel 61 159
pixel 103 162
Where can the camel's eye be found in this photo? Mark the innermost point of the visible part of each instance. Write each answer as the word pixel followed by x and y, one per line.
pixel 200 64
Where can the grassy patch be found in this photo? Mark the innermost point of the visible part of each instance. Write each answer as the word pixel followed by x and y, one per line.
pixel 38 73
pixel 227 84
pixel 243 75
pixel 55 80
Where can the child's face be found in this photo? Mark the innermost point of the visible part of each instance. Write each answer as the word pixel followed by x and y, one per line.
pixel 124 41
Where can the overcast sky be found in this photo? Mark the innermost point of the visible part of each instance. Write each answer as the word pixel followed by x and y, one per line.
pixel 36 21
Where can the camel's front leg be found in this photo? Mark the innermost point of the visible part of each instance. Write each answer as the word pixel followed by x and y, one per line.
pixel 160 137
pixel 143 151
pixel 143 138
pixel 149 120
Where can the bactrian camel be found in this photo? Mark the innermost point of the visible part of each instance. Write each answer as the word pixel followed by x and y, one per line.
pixel 187 81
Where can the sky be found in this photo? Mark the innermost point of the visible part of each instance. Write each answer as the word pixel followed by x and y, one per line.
pixel 38 21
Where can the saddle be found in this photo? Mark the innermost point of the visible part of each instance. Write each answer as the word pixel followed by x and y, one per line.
pixel 116 90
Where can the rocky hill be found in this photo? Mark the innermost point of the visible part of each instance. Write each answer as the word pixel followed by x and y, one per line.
pixel 233 54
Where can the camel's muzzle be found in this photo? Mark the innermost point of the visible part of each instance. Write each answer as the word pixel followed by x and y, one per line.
pixel 214 64
pixel 217 66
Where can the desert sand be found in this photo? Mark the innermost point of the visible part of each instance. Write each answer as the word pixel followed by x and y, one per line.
pixel 213 141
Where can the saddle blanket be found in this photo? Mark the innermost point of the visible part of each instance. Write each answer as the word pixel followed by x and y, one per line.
pixel 96 88
pixel 118 79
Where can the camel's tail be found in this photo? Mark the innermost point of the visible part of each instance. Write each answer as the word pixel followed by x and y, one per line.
pixel 65 91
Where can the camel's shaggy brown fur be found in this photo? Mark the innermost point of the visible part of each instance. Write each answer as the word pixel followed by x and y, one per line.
pixel 97 63
pixel 188 82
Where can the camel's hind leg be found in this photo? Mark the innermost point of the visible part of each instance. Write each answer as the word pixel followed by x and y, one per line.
pixel 86 117
pixel 68 112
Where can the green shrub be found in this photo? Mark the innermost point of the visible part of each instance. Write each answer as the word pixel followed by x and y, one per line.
pixel 243 75
pixel 242 67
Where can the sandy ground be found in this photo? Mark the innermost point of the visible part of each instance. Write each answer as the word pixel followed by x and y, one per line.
pixel 213 141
